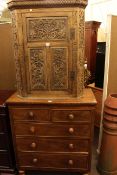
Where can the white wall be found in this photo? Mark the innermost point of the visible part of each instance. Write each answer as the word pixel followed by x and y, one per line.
pixel 2 5
pixel 97 10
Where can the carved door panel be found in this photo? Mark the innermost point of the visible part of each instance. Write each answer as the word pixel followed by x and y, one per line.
pixel 47 29
pixel 60 68
pixel 48 51
pixel 37 63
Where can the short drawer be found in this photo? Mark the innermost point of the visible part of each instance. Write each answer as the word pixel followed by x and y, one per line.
pixel 52 145
pixel 60 130
pixel 71 116
pixel 52 161
pixel 40 115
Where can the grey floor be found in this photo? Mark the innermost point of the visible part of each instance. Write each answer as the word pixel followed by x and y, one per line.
pixel 94 159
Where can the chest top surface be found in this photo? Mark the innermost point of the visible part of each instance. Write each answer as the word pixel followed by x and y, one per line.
pixel 87 99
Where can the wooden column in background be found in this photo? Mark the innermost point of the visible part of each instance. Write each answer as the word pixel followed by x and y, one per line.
pixel 91 29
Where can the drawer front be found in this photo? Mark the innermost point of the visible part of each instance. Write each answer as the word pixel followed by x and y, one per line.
pixel 40 115
pixel 70 116
pixel 2 124
pixel 4 159
pixel 3 142
pixel 52 145
pixel 61 161
pixel 52 129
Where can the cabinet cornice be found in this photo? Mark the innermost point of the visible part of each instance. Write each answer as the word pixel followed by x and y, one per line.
pixel 17 4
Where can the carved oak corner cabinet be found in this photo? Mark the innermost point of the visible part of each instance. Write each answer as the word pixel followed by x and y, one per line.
pixel 7 163
pixel 51 114
pixel 49 46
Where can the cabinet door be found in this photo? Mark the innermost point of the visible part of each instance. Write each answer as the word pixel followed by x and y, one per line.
pixel 48 51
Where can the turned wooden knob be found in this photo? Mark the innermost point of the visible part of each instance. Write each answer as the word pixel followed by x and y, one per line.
pixel 35 160
pixel 71 130
pixel 33 145
pixel 71 146
pixel 32 129
pixel 31 115
pixel 71 116
pixel 70 162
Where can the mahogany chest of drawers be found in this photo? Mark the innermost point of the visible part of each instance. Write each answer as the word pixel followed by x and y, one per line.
pixel 53 134
pixel 6 147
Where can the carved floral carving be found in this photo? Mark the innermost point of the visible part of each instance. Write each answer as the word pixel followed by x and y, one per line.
pixel 59 69
pixel 47 29
pixel 38 68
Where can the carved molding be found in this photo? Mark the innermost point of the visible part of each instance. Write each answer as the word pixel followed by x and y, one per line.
pixel 81 82
pixel 81 38
pixel 16 54
pixel 46 3
pixel 81 51
pixel 81 28
pixel 47 28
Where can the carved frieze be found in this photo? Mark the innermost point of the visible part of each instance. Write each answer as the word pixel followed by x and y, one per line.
pixel 47 29
pixel 59 65
pixel 38 69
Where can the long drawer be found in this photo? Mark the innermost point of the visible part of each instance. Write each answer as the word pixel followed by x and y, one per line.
pixel 53 161
pixel 61 130
pixel 52 145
